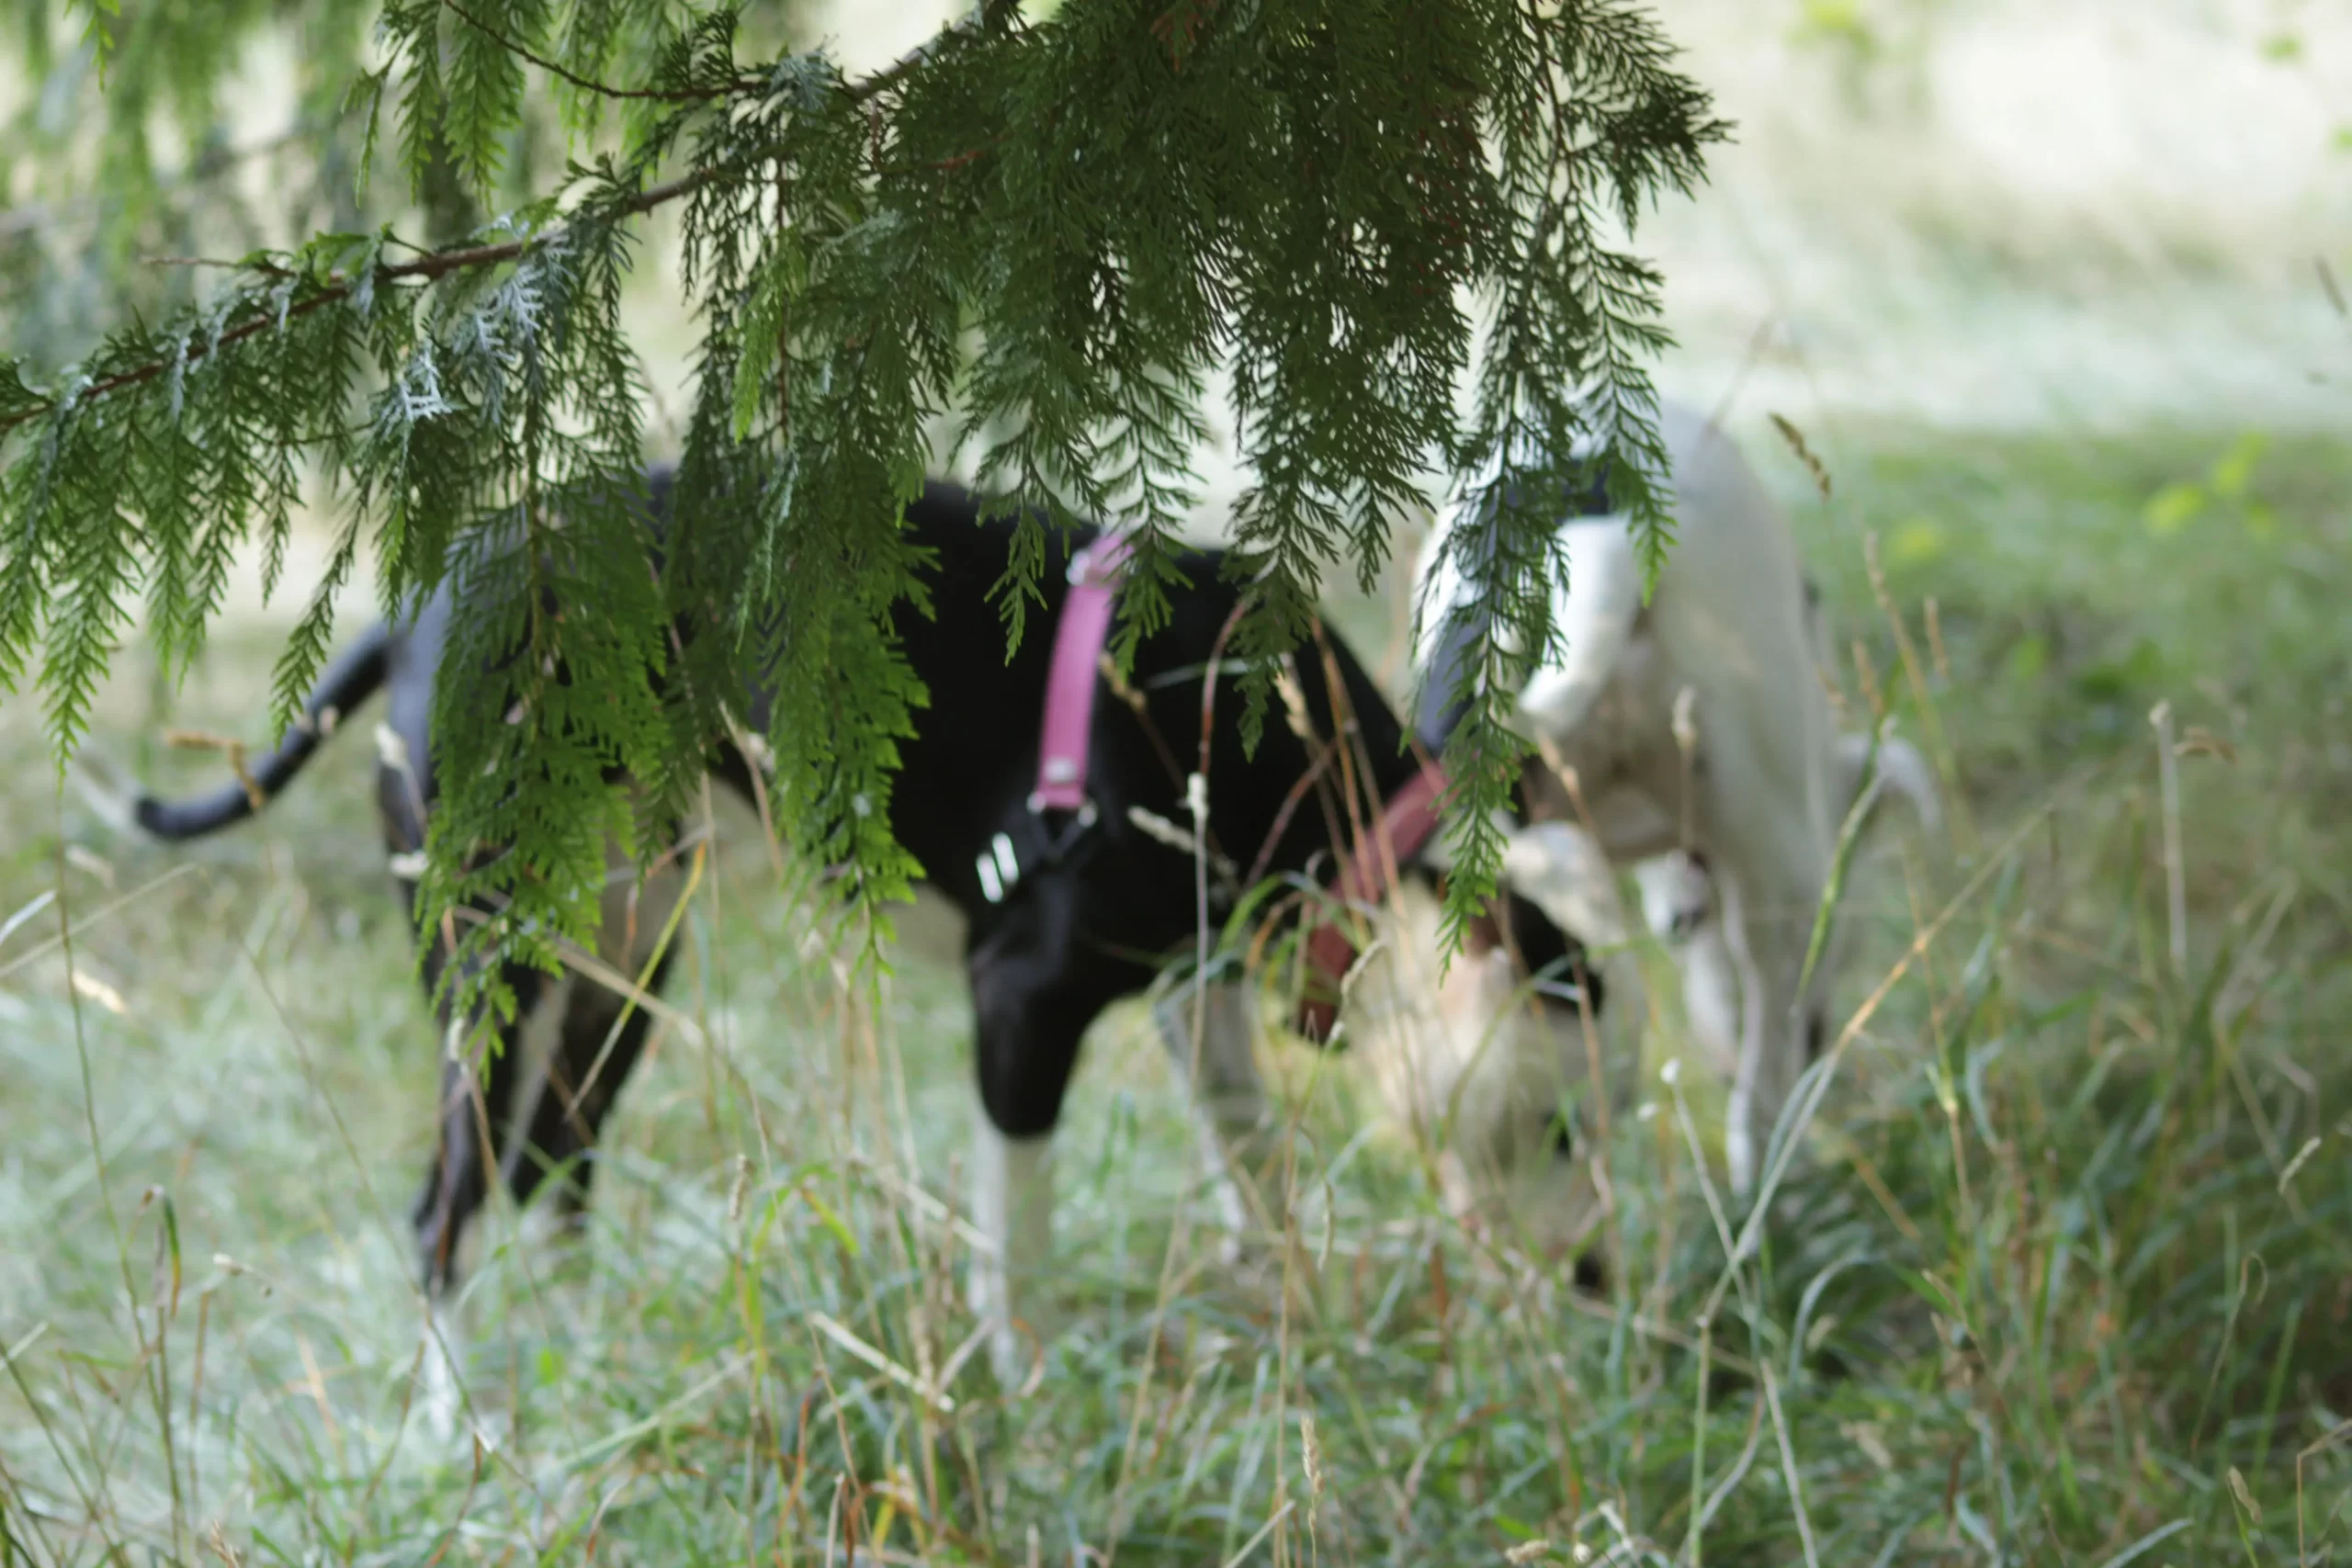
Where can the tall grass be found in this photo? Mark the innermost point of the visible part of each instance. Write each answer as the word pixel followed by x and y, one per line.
pixel 2060 1272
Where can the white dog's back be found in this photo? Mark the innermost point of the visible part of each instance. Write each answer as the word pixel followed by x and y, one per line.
pixel 1728 621
pixel 1698 724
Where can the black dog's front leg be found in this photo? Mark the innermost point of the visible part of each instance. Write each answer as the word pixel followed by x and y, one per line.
pixel 1035 987
pixel 596 1049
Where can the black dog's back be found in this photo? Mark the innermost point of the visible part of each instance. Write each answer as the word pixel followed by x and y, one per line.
pixel 968 772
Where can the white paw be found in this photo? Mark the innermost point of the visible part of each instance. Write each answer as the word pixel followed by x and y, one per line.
pixel 439 1404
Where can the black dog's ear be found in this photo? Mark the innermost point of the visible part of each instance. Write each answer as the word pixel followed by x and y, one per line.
pixel 1519 924
pixel 1545 950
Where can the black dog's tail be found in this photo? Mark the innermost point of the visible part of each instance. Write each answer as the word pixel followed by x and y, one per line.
pixel 350 679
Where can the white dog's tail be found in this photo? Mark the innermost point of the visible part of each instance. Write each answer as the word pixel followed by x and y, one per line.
pixel 1594 613
pixel 1900 768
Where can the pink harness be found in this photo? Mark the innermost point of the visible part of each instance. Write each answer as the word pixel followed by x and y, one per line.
pixel 1079 635
pixel 1406 824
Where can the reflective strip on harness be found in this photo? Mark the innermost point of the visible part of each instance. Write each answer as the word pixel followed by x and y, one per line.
pixel 1079 635
pixel 1406 824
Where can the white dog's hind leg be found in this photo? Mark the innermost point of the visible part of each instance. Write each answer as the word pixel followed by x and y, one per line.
pixel 1752 1097
pixel 1770 882
pixel 1013 1206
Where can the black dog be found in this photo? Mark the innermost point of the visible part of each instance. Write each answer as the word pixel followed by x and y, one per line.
pixel 1090 907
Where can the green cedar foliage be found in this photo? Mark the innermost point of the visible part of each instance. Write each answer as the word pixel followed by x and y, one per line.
pixel 1055 230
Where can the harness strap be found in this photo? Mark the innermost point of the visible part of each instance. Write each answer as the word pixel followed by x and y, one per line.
pixel 1079 635
pixel 1405 825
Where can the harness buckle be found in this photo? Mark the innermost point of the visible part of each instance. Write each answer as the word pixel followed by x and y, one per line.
pixel 1059 844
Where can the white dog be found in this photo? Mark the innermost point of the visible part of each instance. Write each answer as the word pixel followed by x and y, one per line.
pixel 1698 730
pixel 1507 1096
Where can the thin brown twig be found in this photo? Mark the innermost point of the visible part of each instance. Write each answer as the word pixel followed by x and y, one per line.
pixel 267 269
pixel 1322 759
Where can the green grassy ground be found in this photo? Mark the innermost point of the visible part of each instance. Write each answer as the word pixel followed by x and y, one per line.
pixel 2063 1272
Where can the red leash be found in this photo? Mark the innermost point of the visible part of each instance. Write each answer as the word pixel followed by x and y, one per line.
pixel 1405 825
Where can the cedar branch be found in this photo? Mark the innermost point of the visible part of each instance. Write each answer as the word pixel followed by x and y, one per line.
pixel 429 268
pixel 442 264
